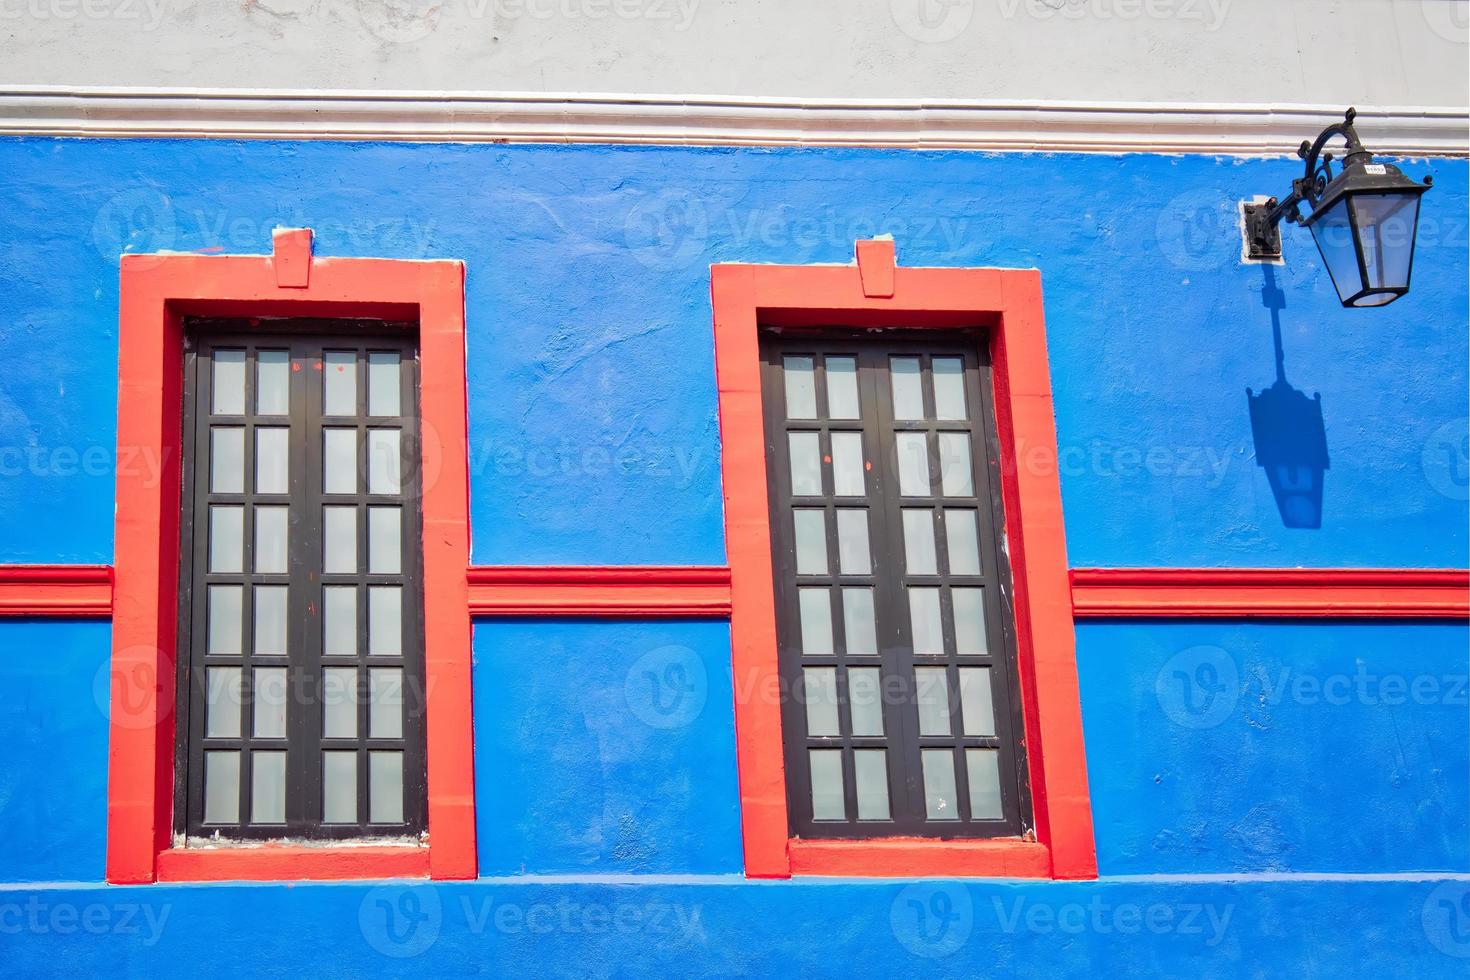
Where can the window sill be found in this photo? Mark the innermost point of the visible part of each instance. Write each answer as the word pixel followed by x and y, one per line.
pixel 293 863
pixel 916 857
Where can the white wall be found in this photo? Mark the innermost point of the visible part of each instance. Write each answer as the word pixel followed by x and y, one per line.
pixel 1371 52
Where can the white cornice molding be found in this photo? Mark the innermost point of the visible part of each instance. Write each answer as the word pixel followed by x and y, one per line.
pixel 1102 127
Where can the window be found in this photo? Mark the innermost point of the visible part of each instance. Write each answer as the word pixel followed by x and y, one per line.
pixel 993 320
pixel 892 619
pixel 301 695
pixel 162 301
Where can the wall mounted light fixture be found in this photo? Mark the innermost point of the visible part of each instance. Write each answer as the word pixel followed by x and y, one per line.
pixel 1363 219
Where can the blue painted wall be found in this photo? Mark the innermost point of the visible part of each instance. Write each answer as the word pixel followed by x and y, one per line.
pixel 53 750
pixel 592 401
pixel 725 927
pixel 608 748
pixel 1272 747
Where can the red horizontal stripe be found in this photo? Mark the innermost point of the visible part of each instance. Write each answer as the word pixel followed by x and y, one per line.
pixel 599 574
pixel 56 590
pixel 615 591
pixel 1325 593
pixel 630 591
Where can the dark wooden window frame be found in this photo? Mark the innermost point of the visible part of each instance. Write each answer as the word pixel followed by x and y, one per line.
pixel 306 338
pixel 896 660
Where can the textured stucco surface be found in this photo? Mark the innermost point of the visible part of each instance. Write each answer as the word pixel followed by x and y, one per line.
pixel 724 927
pixel 1225 750
pixel 1277 747
pixel 593 429
pixel 1382 52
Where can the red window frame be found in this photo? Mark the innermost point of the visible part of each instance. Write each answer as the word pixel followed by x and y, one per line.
pixel 1006 303
pixel 156 293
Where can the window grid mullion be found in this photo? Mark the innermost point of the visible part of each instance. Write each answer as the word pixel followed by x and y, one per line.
pixel 303 578
pixel 899 658
pixel 890 582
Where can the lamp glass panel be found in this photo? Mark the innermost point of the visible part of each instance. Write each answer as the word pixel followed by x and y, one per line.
pixel 1386 225
pixel 1334 234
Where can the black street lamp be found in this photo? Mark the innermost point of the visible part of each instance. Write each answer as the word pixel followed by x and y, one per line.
pixel 1363 219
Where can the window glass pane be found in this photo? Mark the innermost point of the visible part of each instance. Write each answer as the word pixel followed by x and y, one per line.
pixel 385 702
pixel 385 540
pixel 984 772
pixel 806 465
pixel 908 388
pixel 273 382
pixel 931 694
pixel 224 619
pixel 949 388
pixel 918 542
pixel 827 801
pixel 227 460
pixel 939 785
pixel 270 702
pixel 969 621
pixel 975 700
pixel 339 702
pixel 339 460
pixel 842 388
pixel 385 787
pixel 847 464
pixel 928 632
pixel 819 689
pixel 270 539
pixel 383 383
pixel 339 787
pixel 853 552
pixel 816 622
pixel 339 380
pixel 267 787
pixel 964 545
pixel 811 542
pixel 270 619
pixel 870 766
pixel 222 703
pixel 228 383
pixel 221 787
pixel 339 539
pixel 857 621
pixel 954 464
pixel 384 463
pixel 913 464
pixel 272 460
pixel 385 621
pixel 865 700
pixel 226 538
pixel 339 621
pixel 801 387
